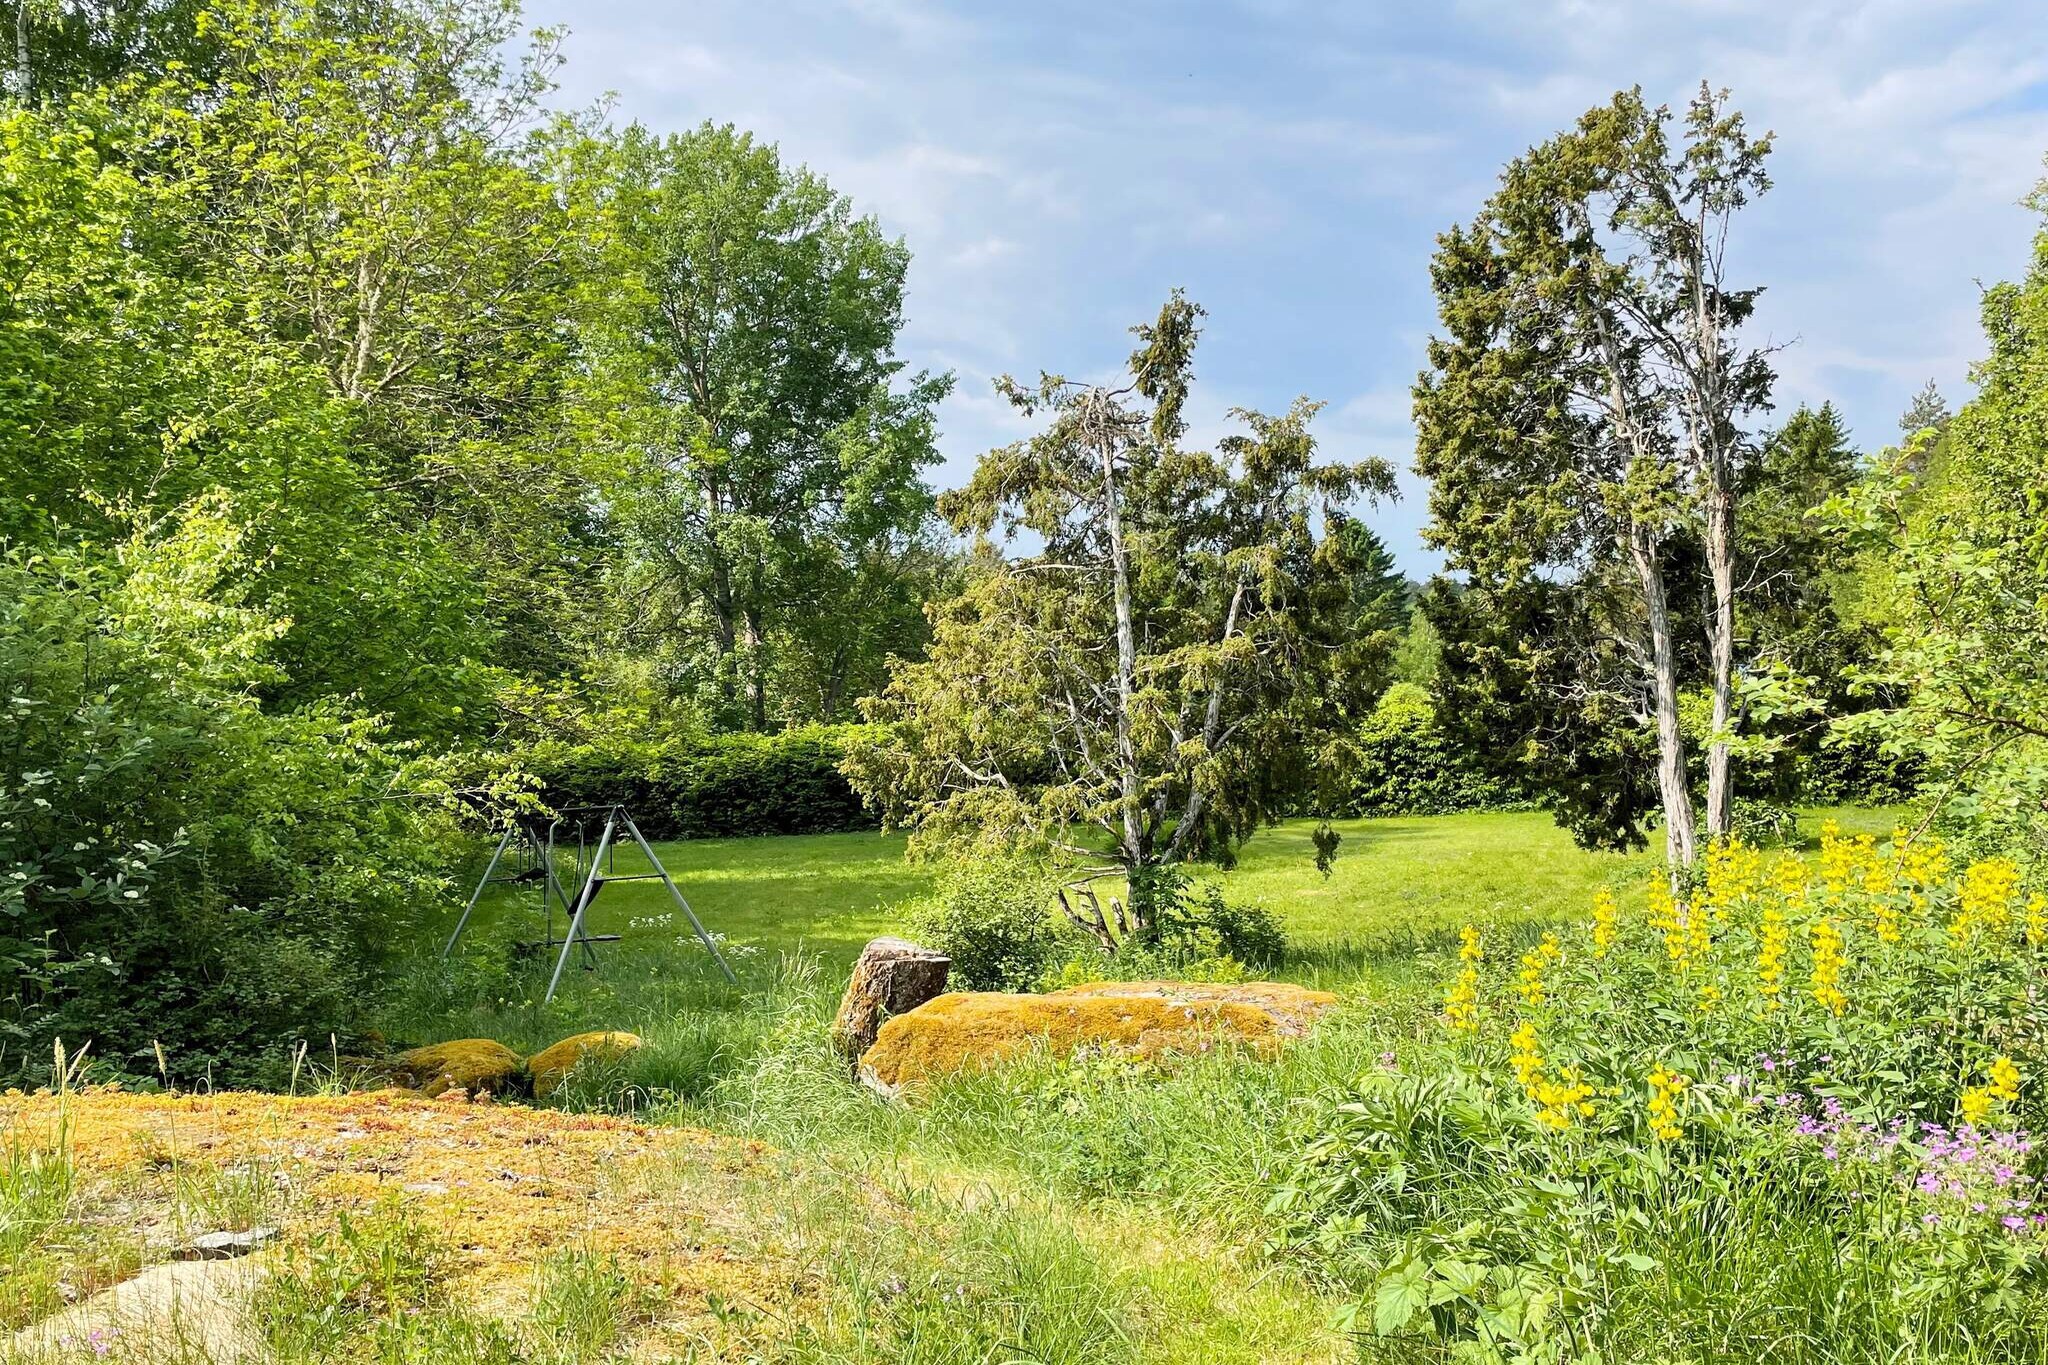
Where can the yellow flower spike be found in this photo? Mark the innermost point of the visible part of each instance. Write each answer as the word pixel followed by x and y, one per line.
pixel 2037 920
pixel 2001 1087
pixel 1534 963
pixel 1773 938
pixel 1837 859
pixel 1605 914
pixel 1666 1088
pixel 1828 956
pixel 1665 918
pixel 1985 904
pixel 1461 1001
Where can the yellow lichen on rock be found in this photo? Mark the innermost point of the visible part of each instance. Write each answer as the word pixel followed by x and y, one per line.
pixel 965 1030
pixel 552 1065
pixel 1294 1008
pixel 498 1187
pixel 476 1066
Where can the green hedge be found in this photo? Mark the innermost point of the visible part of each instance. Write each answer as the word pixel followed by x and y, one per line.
pixel 710 785
pixel 1404 763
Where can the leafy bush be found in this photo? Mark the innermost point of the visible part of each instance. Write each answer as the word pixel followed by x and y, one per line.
pixel 711 785
pixel 181 867
pixel 1402 762
pixel 995 920
pixel 1788 1113
pixel 1191 921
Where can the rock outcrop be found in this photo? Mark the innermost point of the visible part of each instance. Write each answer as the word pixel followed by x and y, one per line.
pixel 893 976
pixel 551 1066
pixel 966 1030
pixel 475 1065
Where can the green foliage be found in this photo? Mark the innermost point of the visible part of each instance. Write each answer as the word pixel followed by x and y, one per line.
pixel 1402 762
pixel 1956 555
pixel 772 465
pixel 696 786
pixel 996 921
pixel 1186 626
pixel 1188 919
pixel 182 866
pixel 1806 1085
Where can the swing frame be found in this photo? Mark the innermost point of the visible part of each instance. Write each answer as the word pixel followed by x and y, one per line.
pixel 536 859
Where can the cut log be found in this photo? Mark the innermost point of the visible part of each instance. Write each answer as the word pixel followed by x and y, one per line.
pixel 892 977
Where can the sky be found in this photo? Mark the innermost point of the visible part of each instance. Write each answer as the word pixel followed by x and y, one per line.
pixel 1057 168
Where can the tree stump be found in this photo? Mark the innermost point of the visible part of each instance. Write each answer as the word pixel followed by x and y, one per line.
pixel 892 977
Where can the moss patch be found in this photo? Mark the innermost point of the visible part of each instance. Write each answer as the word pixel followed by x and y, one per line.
pixel 475 1065
pixel 976 1028
pixel 1294 1008
pixel 551 1066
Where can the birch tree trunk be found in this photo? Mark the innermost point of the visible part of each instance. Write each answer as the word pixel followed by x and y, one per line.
pixel 1720 546
pixel 1135 850
pixel 1675 792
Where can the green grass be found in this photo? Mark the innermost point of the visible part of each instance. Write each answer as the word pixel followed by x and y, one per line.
pixel 1059 1212
pixel 1395 883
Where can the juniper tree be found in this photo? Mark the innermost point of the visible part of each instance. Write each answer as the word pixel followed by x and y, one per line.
pixel 1583 411
pixel 1161 666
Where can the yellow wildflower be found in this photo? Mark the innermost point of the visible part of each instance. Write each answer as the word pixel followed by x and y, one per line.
pixel 1986 900
pixel 1527 1060
pixel 1827 966
pixel 1773 937
pixel 1666 916
pixel 2037 920
pixel 1708 995
pixel 1666 1088
pixel 1837 859
pixel 1605 913
pixel 2002 1086
pixel 1461 1001
pixel 1534 963
pixel 1559 1101
pixel 1790 881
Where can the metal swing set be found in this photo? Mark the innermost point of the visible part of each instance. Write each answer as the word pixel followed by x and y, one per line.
pixel 537 854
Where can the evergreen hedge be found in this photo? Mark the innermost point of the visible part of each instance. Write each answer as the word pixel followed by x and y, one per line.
pixel 701 786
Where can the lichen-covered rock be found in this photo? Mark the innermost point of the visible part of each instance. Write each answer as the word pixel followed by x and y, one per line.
pixel 893 976
pixel 1294 1008
pixel 476 1065
pixel 972 1029
pixel 552 1065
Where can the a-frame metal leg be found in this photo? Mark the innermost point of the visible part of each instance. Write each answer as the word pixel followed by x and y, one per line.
pixel 482 882
pixel 591 882
pixel 695 923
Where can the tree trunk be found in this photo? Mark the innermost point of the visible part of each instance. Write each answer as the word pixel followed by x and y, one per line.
pixel 1136 844
pixel 893 976
pixel 757 685
pixel 1673 788
pixel 21 68
pixel 1720 544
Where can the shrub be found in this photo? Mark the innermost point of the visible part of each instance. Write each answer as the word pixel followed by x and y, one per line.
pixel 995 920
pixel 1404 763
pixel 711 785
pixel 179 866
pixel 1191 921
pixel 1802 1086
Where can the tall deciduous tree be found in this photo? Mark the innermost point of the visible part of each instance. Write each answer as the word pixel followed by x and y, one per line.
pixel 1582 414
pixel 1960 575
pixel 1160 668
pixel 748 360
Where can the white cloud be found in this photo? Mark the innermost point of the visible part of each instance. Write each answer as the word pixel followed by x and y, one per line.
pixel 1056 168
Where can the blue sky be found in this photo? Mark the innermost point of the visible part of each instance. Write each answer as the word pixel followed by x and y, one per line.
pixel 1057 167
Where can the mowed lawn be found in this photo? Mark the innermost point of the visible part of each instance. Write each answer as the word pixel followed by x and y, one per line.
pixel 1394 881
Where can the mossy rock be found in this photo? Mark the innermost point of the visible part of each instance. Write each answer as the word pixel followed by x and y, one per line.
pixel 1294 1008
pixel 477 1065
pixel 972 1029
pixel 551 1066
